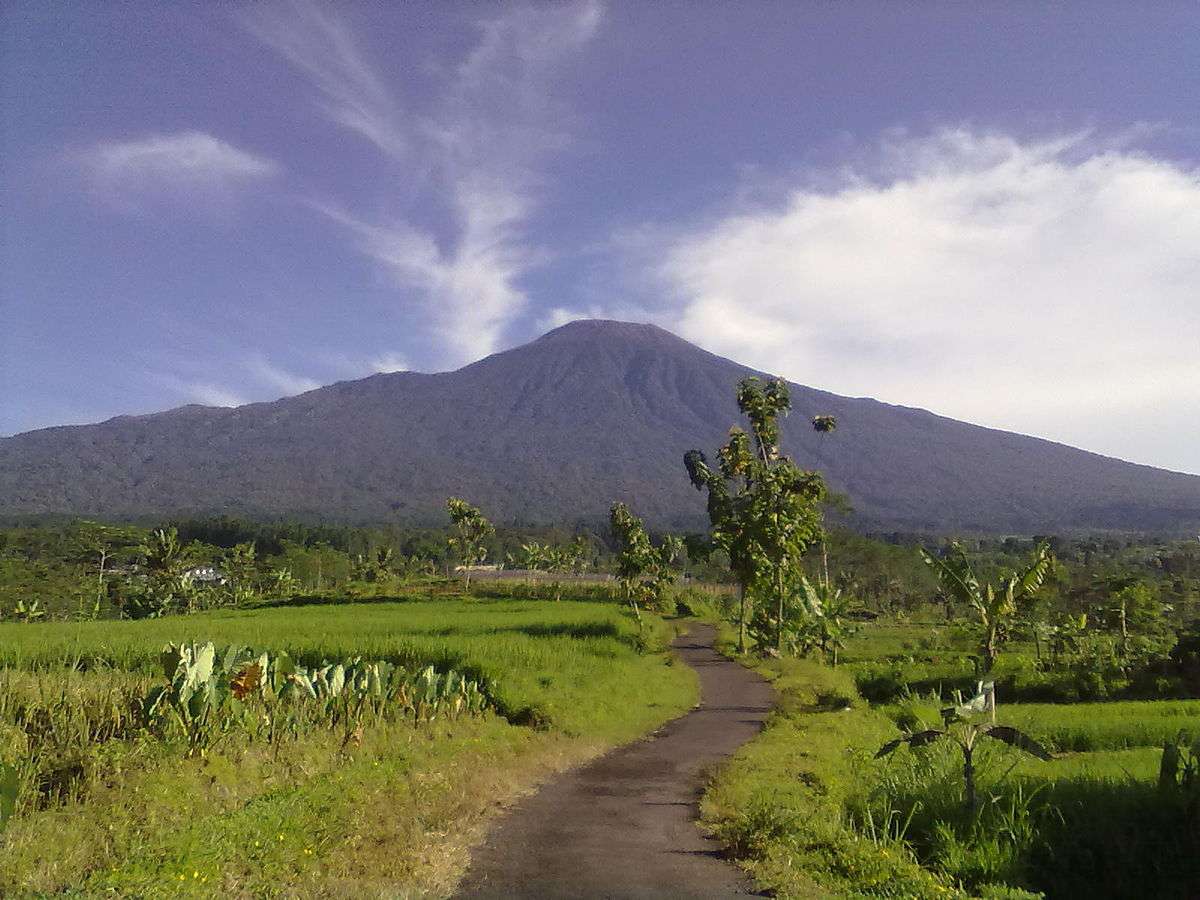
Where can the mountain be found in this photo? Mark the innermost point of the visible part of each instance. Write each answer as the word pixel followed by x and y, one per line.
pixel 554 431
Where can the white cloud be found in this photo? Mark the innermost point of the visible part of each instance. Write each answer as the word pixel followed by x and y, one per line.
pixel 492 122
pixel 212 395
pixel 320 46
pixel 1042 286
pixel 280 379
pixel 389 362
pixel 180 162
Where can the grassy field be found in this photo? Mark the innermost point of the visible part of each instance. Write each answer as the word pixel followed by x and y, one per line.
pixel 394 813
pixel 812 813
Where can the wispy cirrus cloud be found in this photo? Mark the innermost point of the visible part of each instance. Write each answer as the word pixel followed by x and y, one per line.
pixel 173 163
pixel 1047 286
pixel 319 45
pixel 490 125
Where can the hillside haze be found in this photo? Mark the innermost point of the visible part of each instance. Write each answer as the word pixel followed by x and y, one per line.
pixel 553 432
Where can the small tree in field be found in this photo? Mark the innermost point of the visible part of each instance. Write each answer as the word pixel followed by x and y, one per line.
pixel 962 725
pixel 996 607
pixel 644 571
pixel 763 508
pixel 557 559
pixel 825 625
pixel 471 533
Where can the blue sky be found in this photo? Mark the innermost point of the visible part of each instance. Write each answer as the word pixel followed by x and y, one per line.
pixel 993 213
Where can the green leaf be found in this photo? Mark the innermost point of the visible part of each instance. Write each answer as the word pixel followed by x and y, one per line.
pixel 1015 738
pixel 169 660
pixel 918 739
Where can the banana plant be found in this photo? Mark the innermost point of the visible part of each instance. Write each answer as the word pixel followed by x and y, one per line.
pixel 958 726
pixel 824 622
pixel 555 559
pixel 995 606
pixel 28 612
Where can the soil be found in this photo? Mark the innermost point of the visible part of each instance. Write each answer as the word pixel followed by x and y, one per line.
pixel 624 826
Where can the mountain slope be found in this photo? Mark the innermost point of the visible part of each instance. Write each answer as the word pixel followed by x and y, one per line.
pixel 554 431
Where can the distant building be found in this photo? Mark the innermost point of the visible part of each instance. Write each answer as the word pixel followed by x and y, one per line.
pixel 206 575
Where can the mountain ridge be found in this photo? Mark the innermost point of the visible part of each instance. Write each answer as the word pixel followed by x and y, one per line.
pixel 556 429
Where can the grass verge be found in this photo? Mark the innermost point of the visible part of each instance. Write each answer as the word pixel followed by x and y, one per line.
pixel 780 802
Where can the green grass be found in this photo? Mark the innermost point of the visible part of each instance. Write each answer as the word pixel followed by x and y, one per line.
pixel 811 812
pixel 1085 727
pixel 395 814
pixel 1077 727
pixel 572 665
pixel 781 801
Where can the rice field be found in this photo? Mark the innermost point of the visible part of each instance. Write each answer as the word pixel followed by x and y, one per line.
pixel 390 808
pixel 814 813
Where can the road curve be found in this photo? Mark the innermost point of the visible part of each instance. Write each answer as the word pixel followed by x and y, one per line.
pixel 624 826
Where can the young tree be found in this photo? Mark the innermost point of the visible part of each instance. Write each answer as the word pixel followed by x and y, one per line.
pixel 957 725
pixel 164 585
pixel 995 607
pixel 98 545
pixel 644 571
pixel 764 510
pixel 1135 613
pixel 471 534
pixel 240 565
pixel 557 559
pixel 377 566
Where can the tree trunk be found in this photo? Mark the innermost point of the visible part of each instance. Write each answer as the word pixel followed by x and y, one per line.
pixel 741 618
pixel 990 652
pixel 100 584
pixel 969 776
pixel 779 610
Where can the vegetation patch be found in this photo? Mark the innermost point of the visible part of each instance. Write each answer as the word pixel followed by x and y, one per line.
pixel 340 757
pixel 808 808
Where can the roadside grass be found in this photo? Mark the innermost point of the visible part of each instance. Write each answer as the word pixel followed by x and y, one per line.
pixel 781 802
pixel 395 814
pixel 810 812
pixel 1087 824
pixel 398 815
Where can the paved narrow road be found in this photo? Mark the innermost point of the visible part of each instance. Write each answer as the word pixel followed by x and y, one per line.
pixel 624 826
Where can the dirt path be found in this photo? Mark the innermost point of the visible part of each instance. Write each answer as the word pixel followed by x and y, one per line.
pixel 624 825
